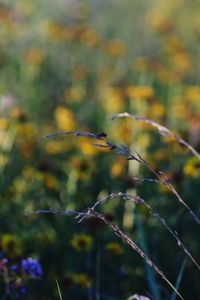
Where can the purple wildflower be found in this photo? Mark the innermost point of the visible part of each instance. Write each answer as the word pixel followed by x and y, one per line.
pixel 31 267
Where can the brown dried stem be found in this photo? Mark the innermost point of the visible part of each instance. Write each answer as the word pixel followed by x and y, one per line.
pixel 138 200
pixel 118 232
pixel 123 150
pixel 164 131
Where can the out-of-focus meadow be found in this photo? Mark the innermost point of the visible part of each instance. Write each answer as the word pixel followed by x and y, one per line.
pixel 69 65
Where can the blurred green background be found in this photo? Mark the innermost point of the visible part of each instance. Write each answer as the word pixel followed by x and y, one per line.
pixel 69 65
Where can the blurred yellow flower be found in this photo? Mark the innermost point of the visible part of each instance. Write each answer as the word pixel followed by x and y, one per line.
pixel 10 244
pixel 180 109
pixel 140 92
pixel 159 23
pixel 193 94
pixel 113 100
pixel 115 48
pixel 81 242
pixel 29 172
pixel 82 280
pixel 59 33
pixel 56 147
pixel 115 248
pixel 18 114
pixel 168 139
pixel 5 14
pixel 160 155
pixel 34 56
pixel 182 61
pixel 27 136
pixel 20 185
pixel 85 145
pixel 143 141
pixel 179 58
pixel 156 110
pixel 65 119
pixel 118 167
pixel 141 64
pixel 26 8
pixel 192 167
pixel 80 72
pixel 83 168
pixel 4 124
pixel 89 37
pixel 50 181
pixel 123 131
pixel 75 94
pixel 163 189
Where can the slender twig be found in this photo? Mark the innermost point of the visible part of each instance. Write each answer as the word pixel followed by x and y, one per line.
pixel 164 131
pixel 123 150
pixel 74 133
pixel 118 232
pixel 138 200
pixel 59 291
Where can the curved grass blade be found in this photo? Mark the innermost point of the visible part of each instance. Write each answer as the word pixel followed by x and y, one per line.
pixel 164 131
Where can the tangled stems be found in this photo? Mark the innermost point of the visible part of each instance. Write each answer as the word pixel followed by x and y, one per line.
pixel 138 200
pixel 103 142
pixel 123 150
pixel 118 232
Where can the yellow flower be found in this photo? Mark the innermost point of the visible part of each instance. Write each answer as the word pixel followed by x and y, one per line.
pixel 116 48
pixel 75 94
pixel 20 185
pixel 159 23
pixel 140 92
pixel 163 189
pixel 82 242
pixel 89 37
pixel 182 61
pixel 83 168
pixel 17 114
pixel 34 56
pixel 85 145
pixel 168 139
pixel 80 72
pixel 50 181
pixel 4 124
pixel 26 8
pixel 180 109
pixel 27 131
pixel 156 110
pixel 11 245
pixel 192 168
pixel 123 131
pixel 82 280
pixel 161 155
pixel 60 33
pixel 113 100
pixel 27 136
pixel 193 94
pixel 55 147
pixel 115 248
pixel 118 167
pixel 29 172
pixel 65 119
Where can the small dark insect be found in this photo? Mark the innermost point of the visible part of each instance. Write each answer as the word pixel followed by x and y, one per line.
pixel 102 134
